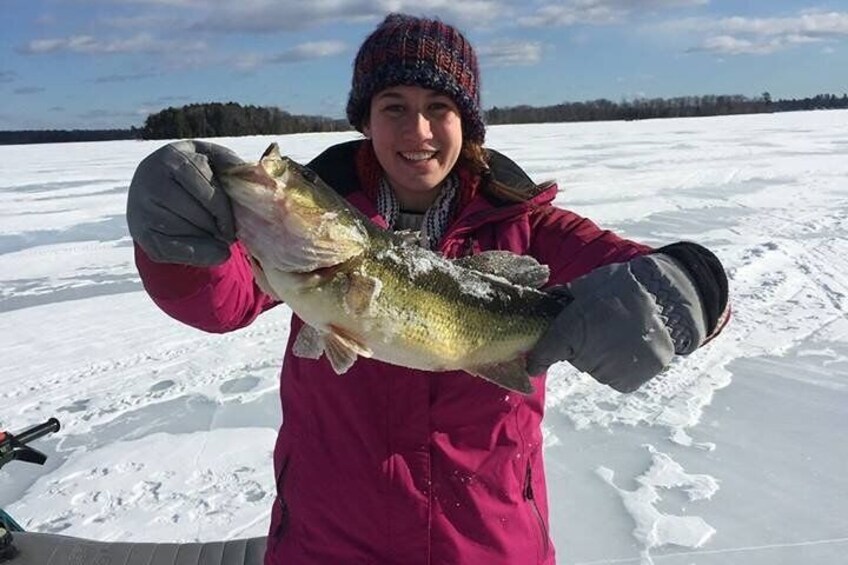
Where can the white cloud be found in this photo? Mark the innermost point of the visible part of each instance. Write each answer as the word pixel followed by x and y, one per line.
pixel 249 61
pixel 310 50
pixel 144 21
pixel 762 36
pixel 271 16
pixel 806 24
pixel 508 53
pixel 598 12
pixel 303 52
pixel 40 46
pixel 317 49
pixel 569 14
pixel 88 44
pixel 729 45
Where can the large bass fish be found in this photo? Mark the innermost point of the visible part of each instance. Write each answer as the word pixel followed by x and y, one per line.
pixel 364 291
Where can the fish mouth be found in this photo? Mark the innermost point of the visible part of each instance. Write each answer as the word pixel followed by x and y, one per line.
pixel 252 174
pixel 271 168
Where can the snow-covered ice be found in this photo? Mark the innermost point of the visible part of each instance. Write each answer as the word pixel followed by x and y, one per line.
pixel 736 455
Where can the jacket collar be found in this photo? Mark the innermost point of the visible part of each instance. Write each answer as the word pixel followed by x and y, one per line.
pixel 483 210
pixel 338 166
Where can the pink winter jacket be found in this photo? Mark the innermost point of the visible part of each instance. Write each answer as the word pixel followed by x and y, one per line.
pixel 390 465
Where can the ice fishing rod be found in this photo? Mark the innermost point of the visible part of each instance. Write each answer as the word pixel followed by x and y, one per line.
pixel 14 447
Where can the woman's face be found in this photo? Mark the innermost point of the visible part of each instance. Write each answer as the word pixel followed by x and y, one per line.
pixel 417 136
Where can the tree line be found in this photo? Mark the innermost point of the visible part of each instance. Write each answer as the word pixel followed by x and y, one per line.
pixel 232 119
pixel 21 137
pixel 649 108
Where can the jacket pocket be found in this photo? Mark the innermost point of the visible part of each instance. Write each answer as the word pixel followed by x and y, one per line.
pixel 530 499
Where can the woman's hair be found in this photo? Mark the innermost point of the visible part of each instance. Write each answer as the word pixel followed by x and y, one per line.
pixel 475 159
pixel 474 156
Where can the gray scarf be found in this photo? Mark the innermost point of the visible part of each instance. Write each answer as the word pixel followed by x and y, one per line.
pixel 434 221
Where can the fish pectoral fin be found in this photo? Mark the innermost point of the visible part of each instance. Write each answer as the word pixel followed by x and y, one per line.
pixel 361 292
pixel 309 343
pixel 342 349
pixel 511 375
pixel 522 270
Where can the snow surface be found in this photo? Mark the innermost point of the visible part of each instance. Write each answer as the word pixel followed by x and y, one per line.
pixel 736 455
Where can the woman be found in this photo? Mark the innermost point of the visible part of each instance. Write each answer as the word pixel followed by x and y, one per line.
pixel 388 464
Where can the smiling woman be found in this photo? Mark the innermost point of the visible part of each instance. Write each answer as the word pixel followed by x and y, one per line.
pixel 419 106
pixel 392 464
pixel 417 137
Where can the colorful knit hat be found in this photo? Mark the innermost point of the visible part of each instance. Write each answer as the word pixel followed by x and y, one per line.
pixel 406 50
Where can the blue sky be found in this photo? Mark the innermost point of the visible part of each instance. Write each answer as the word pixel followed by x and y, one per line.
pixel 110 63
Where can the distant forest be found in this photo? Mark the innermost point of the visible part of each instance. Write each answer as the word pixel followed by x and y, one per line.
pixel 231 119
pixel 649 108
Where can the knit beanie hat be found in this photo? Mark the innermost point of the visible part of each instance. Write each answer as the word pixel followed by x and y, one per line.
pixel 410 51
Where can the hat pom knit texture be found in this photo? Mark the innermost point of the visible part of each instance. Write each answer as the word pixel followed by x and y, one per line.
pixel 410 51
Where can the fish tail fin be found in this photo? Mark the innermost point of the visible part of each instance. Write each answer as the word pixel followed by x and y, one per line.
pixel 511 375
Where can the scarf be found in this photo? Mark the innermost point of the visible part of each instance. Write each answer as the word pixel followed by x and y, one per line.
pixel 436 218
pixel 457 190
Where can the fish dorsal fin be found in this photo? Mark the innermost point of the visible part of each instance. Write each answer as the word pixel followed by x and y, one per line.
pixel 342 350
pixel 522 270
pixel 511 375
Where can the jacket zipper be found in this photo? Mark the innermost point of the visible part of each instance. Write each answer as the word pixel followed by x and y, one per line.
pixel 531 499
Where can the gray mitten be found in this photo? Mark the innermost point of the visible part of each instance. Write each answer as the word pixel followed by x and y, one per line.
pixel 174 210
pixel 622 323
